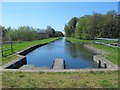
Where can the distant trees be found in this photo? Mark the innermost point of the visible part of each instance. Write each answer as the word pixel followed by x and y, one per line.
pixel 92 26
pixel 70 27
pixel 58 34
pixel 50 31
pixel 26 33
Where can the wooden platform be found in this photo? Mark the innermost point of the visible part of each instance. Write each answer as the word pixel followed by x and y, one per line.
pixel 58 64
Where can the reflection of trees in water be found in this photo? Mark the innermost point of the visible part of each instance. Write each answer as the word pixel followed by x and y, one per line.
pixel 54 44
pixel 70 48
pixel 49 46
pixel 77 50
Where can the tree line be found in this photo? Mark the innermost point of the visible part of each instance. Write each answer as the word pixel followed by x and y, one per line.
pixel 27 33
pixel 93 26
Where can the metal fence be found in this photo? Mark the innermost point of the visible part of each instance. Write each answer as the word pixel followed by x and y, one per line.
pixel 8 47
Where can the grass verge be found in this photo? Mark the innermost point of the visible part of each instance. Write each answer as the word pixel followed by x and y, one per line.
pixel 8 59
pixel 74 40
pixel 60 80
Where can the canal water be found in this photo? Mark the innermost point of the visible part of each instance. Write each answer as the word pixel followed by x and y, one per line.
pixel 75 55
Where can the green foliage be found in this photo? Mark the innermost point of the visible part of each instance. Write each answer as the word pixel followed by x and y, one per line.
pixel 26 33
pixel 80 28
pixel 70 27
pixel 50 31
pixel 92 26
pixel 59 34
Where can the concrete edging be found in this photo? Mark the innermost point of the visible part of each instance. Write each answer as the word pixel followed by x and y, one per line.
pixel 15 63
pixel 102 62
pixel 65 70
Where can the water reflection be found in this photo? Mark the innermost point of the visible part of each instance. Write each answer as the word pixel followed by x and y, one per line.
pixel 75 55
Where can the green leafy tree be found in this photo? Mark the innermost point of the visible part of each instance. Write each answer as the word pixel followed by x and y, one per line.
pixel 80 28
pixel 70 27
pixel 50 31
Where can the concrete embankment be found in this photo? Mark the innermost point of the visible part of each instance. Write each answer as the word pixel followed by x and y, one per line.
pixel 26 51
pixel 95 50
pixel 101 61
pixel 15 64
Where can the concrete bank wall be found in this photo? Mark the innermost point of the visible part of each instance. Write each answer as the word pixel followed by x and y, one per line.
pixel 29 49
pixel 95 50
pixel 26 51
pixel 101 61
pixel 16 63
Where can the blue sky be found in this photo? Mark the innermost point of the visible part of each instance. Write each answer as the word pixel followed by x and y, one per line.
pixel 55 14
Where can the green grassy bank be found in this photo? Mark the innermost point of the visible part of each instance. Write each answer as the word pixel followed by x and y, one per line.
pixel 90 41
pixel 60 80
pixel 21 46
pixel 113 52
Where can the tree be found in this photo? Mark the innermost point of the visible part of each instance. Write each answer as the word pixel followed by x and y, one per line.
pixel 70 27
pixel 92 26
pixel 67 31
pixel 50 31
pixel 58 34
pixel 72 23
pixel 110 25
pixel 80 28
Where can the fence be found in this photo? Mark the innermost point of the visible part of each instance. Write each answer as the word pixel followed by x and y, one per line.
pixel 5 47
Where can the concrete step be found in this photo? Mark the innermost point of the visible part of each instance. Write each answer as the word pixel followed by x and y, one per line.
pixel 32 67
pixel 58 64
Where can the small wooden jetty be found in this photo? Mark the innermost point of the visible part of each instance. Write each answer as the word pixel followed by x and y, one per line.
pixel 58 64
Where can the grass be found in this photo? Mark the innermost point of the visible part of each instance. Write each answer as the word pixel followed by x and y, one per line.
pixel 8 59
pixel 90 41
pixel 73 40
pixel 21 46
pixel 60 80
pixel 113 52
